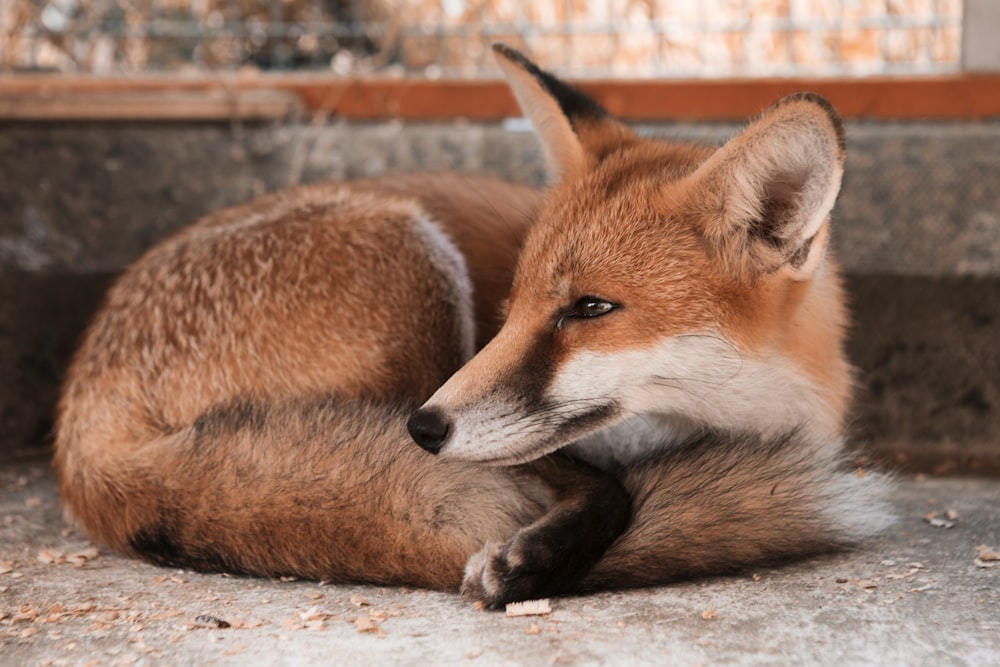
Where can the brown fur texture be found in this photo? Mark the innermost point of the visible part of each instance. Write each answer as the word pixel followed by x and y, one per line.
pixel 239 402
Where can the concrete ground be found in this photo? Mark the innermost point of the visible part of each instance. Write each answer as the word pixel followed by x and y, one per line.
pixel 927 593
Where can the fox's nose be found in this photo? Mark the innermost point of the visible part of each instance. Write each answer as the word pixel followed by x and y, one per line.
pixel 429 429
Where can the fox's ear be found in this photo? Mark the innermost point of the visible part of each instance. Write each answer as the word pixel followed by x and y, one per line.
pixel 766 195
pixel 573 128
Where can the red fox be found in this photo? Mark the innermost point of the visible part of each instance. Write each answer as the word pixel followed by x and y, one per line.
pixel 665 397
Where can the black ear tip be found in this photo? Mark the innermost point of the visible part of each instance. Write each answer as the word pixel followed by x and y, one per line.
pixel 510 53
pixel 823 103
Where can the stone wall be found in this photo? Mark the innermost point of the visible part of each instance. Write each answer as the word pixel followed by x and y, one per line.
pixel 917 229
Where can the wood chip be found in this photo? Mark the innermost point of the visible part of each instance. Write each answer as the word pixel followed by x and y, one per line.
pixel 529 608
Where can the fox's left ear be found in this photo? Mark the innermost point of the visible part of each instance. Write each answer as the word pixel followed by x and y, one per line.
pixel 765 196
pixel 574 129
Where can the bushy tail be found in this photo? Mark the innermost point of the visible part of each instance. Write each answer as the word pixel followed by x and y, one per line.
pixel 322 488
pixel 724 502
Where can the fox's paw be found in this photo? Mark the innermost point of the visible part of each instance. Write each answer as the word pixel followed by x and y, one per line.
pixel 502 573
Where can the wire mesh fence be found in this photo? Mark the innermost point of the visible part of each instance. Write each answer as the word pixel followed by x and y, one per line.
pixel 580 38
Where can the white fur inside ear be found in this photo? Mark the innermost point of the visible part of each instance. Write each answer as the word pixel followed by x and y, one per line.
pixel 564 153
pixel 780 178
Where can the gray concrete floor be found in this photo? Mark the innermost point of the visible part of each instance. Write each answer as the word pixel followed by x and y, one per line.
pixel 917 596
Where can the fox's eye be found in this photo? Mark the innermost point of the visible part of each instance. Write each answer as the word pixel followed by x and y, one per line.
pixel 591 306
pixel 586 306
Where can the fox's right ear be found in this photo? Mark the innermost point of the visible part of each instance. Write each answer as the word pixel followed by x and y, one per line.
pixel 765 197
pixel 574 129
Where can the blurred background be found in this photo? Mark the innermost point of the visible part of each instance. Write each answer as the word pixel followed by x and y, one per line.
pixel 122 121
pixel 448 38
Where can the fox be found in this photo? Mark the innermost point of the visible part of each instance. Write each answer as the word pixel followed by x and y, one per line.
pixel 630 376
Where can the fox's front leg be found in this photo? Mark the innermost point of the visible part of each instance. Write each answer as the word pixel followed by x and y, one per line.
pixel 547 557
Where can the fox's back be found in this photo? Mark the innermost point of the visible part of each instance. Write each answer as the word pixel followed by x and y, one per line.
pixel 357 288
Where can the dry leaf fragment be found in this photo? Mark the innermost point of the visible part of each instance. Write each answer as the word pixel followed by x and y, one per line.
pixel 50 557
pixel 933 519
pixel 365 624
pixel 986 553
pixel 209 621
pixel 314 614
pixel 529 608
pixel 865 583
pixel 709 614
pixel 359 601
pixel 235 650
pixel 24 615
pixel 80 558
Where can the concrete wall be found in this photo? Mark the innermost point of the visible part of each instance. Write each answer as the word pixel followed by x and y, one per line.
pixel 917 228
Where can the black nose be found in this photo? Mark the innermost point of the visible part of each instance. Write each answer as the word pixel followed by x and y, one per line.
pixel 429 429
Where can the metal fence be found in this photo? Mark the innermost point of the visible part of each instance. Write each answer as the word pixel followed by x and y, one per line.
pixel 580 38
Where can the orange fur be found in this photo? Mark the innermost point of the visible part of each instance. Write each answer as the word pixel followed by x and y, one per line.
pixel 239 402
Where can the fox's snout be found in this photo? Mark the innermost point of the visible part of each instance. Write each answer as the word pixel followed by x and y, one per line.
pixel 429 429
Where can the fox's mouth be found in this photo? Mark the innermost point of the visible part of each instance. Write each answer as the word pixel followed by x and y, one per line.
pixel 537 433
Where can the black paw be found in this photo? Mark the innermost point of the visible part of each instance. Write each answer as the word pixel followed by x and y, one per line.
pixel 502 573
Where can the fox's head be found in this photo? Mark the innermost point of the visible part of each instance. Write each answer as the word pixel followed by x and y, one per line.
pixel 659 279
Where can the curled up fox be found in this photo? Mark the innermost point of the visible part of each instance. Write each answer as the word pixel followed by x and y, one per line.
pixel 633 376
